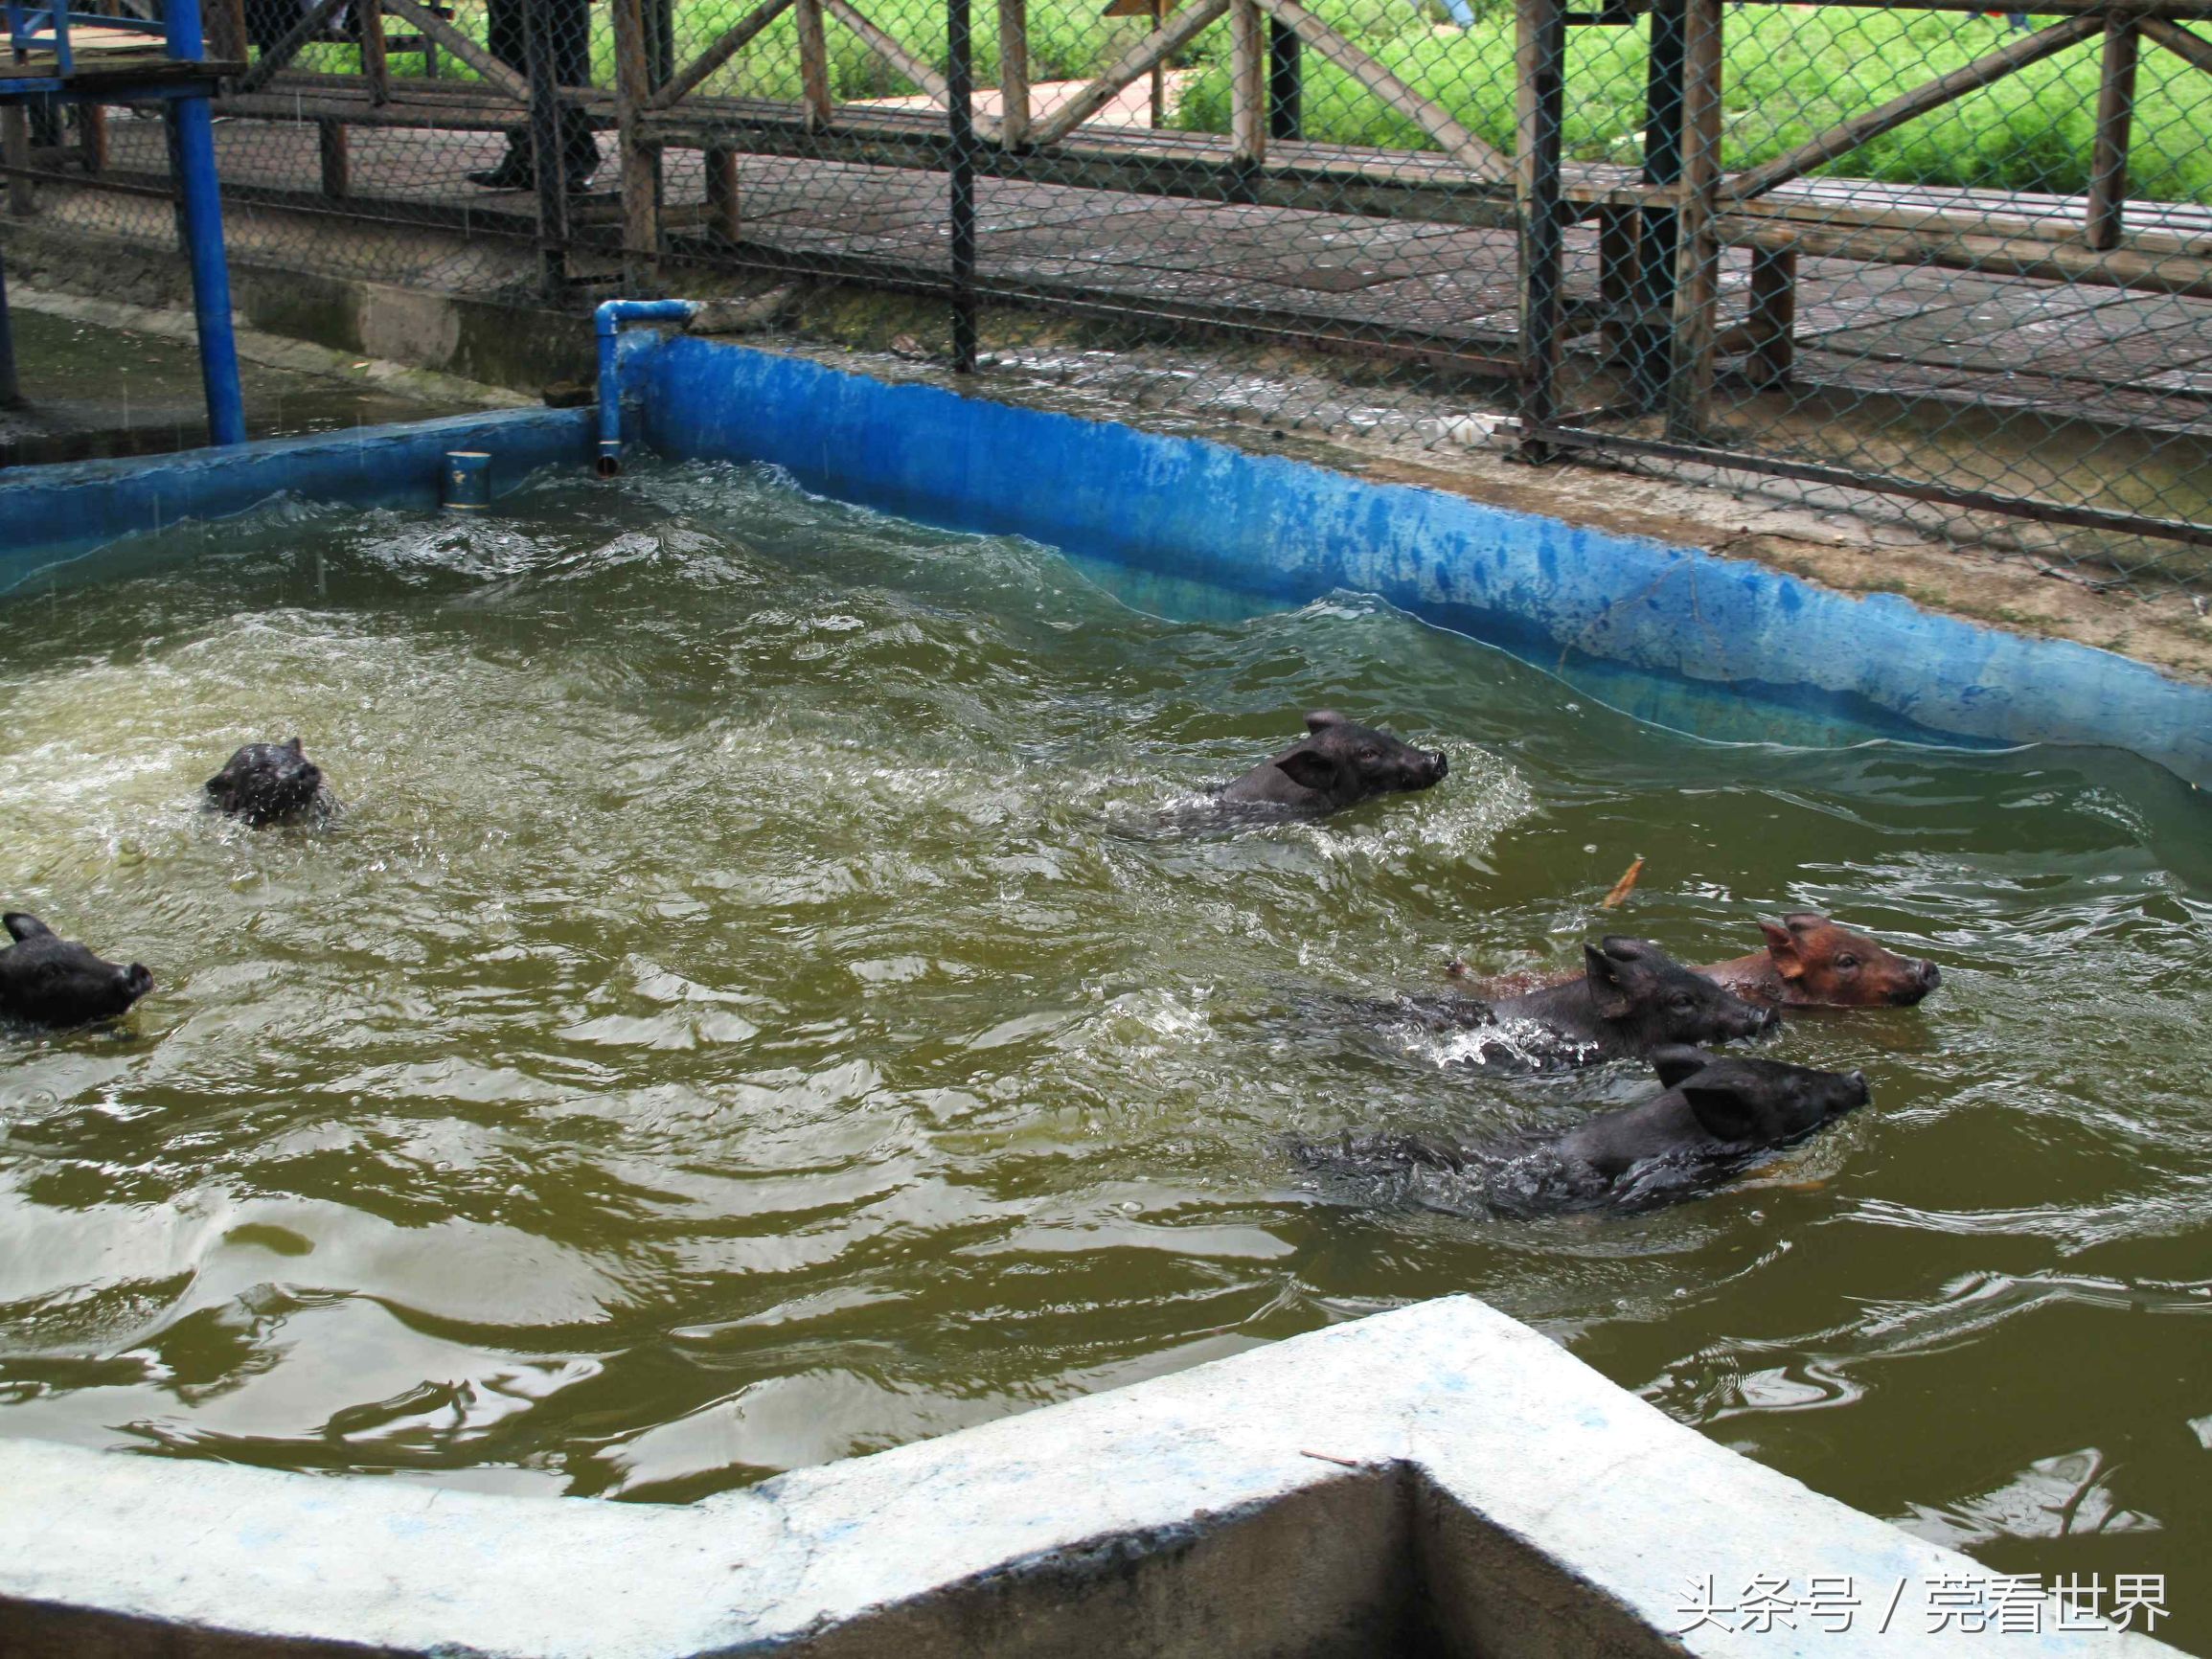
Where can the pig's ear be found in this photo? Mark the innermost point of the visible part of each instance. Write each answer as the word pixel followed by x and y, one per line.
pixel 294 746
pixel 1309 770
pixel 1726 1113
pixel 1321 720
pixel 1608 993
pixel 1782 947
pixel 1677 1063
pixel 21 926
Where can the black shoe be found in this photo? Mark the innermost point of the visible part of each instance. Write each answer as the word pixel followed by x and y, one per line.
pixel 514 173
pixel 577 175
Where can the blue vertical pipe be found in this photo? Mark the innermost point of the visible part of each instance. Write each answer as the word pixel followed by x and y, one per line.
pixel 191 130
pixel 608 321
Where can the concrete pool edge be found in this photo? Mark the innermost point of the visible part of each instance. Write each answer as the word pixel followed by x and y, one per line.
pixel 1578 601
pixel 1439 1472
pixel 52 516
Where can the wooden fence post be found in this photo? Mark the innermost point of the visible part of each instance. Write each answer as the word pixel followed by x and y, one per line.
pixel 1248 83
pixel 814 63
pixel 15 151
pixel 2116 120
pixel 1540 61
pixel 1013 73
pixel 1697 252
pixel 723 218
pixel 639 192
pixel 331 150
pixel 1773 319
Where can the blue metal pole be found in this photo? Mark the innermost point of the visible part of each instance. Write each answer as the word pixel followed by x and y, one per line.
pixel 192 126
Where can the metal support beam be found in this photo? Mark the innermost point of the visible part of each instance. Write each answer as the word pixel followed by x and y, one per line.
pixel 1286 82
pixel 960 112
pixel 199 193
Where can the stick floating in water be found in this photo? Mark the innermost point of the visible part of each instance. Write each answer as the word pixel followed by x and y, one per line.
pixel 1625 886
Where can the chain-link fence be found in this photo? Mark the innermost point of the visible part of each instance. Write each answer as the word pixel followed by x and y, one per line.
pixel 1953 254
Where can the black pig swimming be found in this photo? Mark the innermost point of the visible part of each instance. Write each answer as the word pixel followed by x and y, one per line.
pixel 48 980
pixel 1337 765
pixel 272 783
pixel 1632 998
pixel 1714 1116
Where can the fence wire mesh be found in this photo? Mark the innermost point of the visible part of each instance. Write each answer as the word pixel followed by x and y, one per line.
pixel 1955 255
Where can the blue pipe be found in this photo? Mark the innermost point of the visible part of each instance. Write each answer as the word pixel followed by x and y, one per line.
pixel 609 319
pixel 192 125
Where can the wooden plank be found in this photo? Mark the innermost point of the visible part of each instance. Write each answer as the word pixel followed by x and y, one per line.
pixel 312 23
pixel 1013 73
pixel 813 64
pixel 336 159
pixel 728 45
pixel 1247 82
pixel 432 27
pixel 892 51
pixel 1849 134
pixel 2116 120
pixel 1433 119
pixel 1697 255
pixel 723 219
pixel 640 177
pixel 1771 346
pixel 227 27
pixel 376 61
pixel 2193 48
pixel 1156 48
pixel 1994 256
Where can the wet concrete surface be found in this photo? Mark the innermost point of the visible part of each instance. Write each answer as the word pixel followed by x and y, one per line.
pixel 92 391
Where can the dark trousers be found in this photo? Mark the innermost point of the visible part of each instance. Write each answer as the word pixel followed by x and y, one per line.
pixel 567 24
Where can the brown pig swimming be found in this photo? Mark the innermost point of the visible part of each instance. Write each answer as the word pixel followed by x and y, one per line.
pixel 1811 962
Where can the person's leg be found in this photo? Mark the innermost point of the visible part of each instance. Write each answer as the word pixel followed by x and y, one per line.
pixel 569 22
pixel 504 38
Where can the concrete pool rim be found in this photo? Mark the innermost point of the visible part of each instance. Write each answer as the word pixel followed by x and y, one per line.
pixel 1439 1474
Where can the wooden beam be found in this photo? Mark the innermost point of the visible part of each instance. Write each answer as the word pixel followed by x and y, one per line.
pixel 722 214
pixel 1013 73
pixel 728 45
pixel 1771 345
pixel 16 151
pixel 893 52
pixel 289 44
pixel 1432 118
pixel 1154 48
pixel 813 64
pixel 336 159
pixel 1849 134
pixel 1697 255
pixel 432 27
pixel 2116 120
pixel 92 128
pixel 375 63
pixel 2179 41
pixel 2188 274
pixel 1248 83
pixel 640 177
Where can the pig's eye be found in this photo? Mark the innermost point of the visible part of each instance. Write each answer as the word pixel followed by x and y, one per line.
pixel 1371 754
pixel 1847 962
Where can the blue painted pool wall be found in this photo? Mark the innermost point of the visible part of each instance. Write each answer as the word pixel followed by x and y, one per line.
pixel 49 515
pixel 1583 601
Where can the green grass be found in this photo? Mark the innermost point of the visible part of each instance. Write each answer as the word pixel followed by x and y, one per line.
pixel 1790 72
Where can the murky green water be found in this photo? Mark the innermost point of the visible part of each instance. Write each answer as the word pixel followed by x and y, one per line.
pixel 733 1028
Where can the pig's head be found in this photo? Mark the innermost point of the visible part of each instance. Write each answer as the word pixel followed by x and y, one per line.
pixel 265 783
pixel 1349 763
pixel 1748 1103
pixel 1822 963
pixel 1650 998
pixel 68 983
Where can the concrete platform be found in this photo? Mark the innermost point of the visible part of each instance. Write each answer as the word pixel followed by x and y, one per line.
pixel 1440 1480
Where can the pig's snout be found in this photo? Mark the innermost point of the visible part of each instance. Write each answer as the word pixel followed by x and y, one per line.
pixel 1855 1089
pixel 1764 1019
pixel 1438 764
pixel 1925 977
